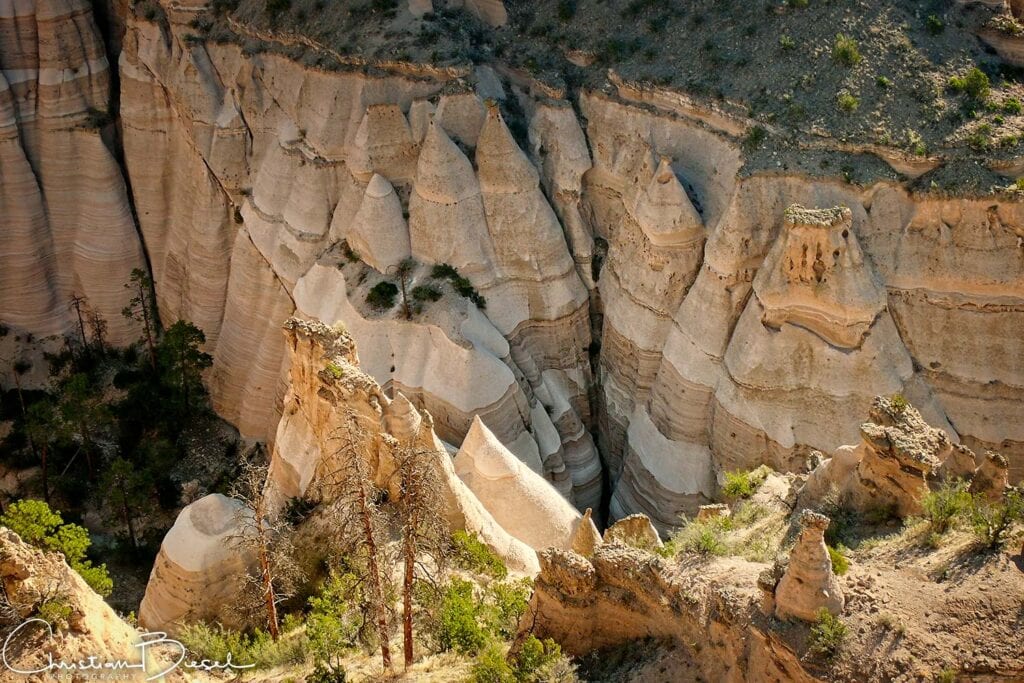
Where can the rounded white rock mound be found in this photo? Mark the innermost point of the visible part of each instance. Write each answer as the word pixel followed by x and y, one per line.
pixel 198 567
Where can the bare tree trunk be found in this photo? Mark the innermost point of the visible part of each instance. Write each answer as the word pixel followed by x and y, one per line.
pixel 407 583
pixel 376 583
pixel 127 514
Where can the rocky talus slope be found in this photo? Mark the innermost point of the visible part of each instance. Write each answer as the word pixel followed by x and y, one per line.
pixel 631 282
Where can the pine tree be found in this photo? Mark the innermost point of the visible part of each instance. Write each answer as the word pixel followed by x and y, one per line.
pixel 142 308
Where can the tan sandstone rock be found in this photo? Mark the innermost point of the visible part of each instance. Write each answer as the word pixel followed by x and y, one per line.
pixel 634 530
pixel 809 583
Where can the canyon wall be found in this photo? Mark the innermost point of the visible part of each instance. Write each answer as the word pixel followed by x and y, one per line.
pixel 628 283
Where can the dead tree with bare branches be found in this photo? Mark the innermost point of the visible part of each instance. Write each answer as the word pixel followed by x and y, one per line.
pixel 268 534
pixel 355 502
pixel 424 533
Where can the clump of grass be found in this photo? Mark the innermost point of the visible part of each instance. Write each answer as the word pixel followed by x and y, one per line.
pixel 846 51
pixel 847 102
pixel 840 563
pixel 975 84
pixel 743 483
pixel 944 505
pixel 786 42
pixel 827 635
pixel 335 370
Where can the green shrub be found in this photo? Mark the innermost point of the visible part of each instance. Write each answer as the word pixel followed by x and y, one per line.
pixel 539 660
pixel 826 636
pixel 935 25
pixel 754 138
pixel 942 506
pixel 1012 106
pixel 883 82
pixel 469 553
pixel 492 667
pixel 217 643
pixel 382 296
pixel 461 284
pixel 44 528
pixel 840 563
pixel 427 292
pixel 846 51
pixel 54 611
pixel 992 520
pixel 507 602
pixel 974 84
pixel 786 42
pixel 847 102
pixel 334 623
pixel 898 403
pixel 459 625
pixel 743 484
pixel 336 370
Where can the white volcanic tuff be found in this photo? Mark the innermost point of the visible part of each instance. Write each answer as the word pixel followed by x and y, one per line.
pixel 446 212
pixel 378 233
pixel 559 149
pixel 383 144
pixel 521 501
pixel 247 378
pixel 462 116
pixel 198 571
pixel 438 363
pixel 816 276
pixel 69 227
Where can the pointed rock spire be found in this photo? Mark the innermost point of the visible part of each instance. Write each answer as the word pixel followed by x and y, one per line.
pixel 378 232
pixel 444 175
pixel 503 167
pixel 664 211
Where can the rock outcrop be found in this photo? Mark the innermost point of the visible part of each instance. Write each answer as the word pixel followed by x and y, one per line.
pixel 809 584
pixel 30 577
pixel 634 530
pixel 199 565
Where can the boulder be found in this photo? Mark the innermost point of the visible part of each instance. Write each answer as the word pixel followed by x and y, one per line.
pixel 634 530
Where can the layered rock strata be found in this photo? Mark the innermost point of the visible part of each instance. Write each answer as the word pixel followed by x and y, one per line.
pixel 809 584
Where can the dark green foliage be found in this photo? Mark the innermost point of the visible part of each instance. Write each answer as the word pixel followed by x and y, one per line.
pixel 427 292
pixel 934 24
pixel 942 506
pixel 382 296
pixel 460 284
pixel 992 519
pixel 755 138
pixel 846 51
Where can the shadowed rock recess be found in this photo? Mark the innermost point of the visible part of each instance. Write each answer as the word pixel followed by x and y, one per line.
pixel 612 290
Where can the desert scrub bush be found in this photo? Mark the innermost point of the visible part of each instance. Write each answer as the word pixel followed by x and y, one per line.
pixel 827 635
pixel 469 553
pixel 974 84
pixel 754 138
pixel 845 51
pixel 1012 106
pixel 461 284
pixel 744 483
pixel 216 643
pixel 840 563
pixel 702 538
pixel 934 24
pixel 54 611
pixel 382 296
pixel 491 666
pixel 787 42
pixel 898 403
pixel 992 520
pixel 335 370
pixel 945 504
pixel 423 293
pixel 847 102
pixel 334 624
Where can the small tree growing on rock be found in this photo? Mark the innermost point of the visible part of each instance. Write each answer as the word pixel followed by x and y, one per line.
pixel 142 308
